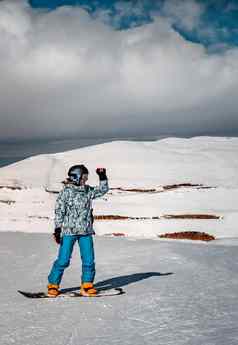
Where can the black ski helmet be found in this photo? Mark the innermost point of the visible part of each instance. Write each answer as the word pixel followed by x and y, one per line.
pixel 76 172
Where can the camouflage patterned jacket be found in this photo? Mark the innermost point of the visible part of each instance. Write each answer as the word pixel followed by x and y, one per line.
pixel 73 209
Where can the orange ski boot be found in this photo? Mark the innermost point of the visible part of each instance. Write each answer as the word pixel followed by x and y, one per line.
pixel 87 289
pixel 53 290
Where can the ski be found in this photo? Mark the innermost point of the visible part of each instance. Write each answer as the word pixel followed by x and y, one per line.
pixel 73 294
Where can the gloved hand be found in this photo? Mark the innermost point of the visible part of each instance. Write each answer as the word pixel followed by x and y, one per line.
pixel 57 236
pixel 101 173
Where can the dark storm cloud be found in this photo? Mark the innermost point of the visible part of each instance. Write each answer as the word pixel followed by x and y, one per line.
pixel 64 73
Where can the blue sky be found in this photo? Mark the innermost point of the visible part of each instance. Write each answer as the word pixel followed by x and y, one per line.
pixel 219 16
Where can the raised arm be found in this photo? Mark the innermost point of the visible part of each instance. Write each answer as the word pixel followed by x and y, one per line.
pixel 103 187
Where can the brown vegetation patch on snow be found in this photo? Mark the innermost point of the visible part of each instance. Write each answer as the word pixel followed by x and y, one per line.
pixel 166 216
pixel 186 185
pixel 117 217
pixel 181 185
pixel 47 190
pixel 39 217
pixel 163 188
pixel 12 187
pixel 189 235
pixel 190 216
pixel 8 202
pixel 116 234
pixel 139 190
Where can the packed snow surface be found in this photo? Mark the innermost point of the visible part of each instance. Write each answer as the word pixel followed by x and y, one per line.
pixel 176 293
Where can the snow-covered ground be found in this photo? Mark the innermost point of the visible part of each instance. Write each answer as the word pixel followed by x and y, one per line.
pixel 177 292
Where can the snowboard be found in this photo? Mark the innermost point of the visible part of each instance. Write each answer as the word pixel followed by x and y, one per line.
pixel 74 294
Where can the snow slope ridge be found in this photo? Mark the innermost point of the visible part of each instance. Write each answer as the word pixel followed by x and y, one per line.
pixel 209 161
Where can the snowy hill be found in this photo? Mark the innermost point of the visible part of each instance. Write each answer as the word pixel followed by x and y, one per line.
pixel 148 181
pixel 212 161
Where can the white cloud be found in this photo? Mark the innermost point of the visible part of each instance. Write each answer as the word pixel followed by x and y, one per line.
pixel 63 73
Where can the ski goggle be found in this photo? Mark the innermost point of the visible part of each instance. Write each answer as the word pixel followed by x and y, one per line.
pixel 75 175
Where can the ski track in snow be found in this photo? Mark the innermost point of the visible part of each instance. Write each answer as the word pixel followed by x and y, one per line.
pixel 193 303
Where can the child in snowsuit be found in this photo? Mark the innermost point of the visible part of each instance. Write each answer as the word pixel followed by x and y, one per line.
pixel 74 222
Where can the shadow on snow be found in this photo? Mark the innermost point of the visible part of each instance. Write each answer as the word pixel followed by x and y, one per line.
pixel 118 282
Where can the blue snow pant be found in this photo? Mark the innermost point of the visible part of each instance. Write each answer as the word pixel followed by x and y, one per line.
pixel 85 243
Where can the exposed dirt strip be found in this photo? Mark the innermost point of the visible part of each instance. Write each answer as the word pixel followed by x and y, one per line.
pixel 166 216
pixel 189 235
